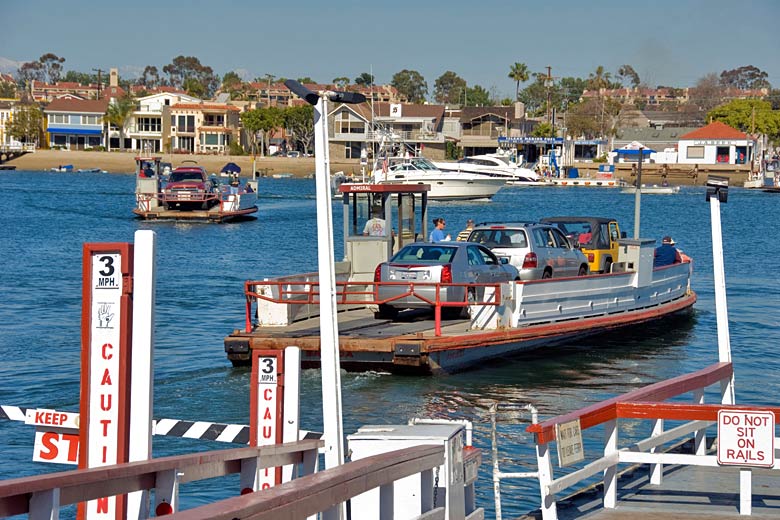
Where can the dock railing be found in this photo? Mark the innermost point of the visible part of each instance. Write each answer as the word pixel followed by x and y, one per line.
pixel 305 291
pixel 42 496
pixel 643 404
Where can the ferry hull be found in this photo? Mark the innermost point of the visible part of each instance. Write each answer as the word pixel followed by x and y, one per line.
pixel 387 346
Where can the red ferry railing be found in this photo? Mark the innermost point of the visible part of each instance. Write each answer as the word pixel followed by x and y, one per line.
pixel 646 404
pixel 300 292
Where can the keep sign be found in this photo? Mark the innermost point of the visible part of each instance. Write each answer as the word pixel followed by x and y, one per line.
pixel 746 438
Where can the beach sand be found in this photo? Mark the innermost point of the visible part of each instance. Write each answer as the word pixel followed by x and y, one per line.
pixel 124 162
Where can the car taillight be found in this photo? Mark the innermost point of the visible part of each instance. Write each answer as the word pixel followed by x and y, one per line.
pixel 591 257
pixel 530 261
pixel 446 273
pixel 378 273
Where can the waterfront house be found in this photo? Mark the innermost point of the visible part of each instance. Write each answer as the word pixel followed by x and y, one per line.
pixel 203 128
pixel 716 143
pixel 6 113
pixel 74 123
pixel 354 128
pixel 150 126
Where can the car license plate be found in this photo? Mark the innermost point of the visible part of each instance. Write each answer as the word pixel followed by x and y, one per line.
pixel 409 275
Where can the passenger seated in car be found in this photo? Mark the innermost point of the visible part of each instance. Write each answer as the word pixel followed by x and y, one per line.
pixel 586 235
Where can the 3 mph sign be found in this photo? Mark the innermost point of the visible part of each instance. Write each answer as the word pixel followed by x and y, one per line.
pixel 746 438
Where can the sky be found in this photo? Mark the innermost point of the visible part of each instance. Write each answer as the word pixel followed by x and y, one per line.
pixel 670 43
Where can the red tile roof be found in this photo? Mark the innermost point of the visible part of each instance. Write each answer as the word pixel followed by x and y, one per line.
pixel 715 130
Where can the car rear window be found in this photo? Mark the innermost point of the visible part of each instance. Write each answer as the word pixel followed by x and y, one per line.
pixel 426 253
pixel 504 238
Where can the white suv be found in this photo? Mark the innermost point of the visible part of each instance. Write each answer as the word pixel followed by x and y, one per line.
pixel 537 250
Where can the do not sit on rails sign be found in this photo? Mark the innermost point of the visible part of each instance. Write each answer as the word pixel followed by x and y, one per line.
pixel 746 438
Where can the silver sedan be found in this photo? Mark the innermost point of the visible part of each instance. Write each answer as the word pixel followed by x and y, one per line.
pixel 444 263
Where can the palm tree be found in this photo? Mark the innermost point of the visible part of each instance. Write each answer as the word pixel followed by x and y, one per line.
pixel 599 79
pixel 117 114
pixel 519 73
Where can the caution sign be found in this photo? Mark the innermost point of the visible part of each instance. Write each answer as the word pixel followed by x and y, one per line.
pixel 105 382
pixel 746 438
pixel 265 421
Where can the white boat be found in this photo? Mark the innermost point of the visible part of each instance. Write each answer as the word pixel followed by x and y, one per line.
pixel 445 185
pixel 495 165
pixel 655 189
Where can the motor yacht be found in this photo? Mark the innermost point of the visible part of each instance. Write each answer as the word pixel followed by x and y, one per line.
pixel 494 165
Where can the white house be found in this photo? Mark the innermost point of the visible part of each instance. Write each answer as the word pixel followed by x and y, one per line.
pixel 716 143
pixel 148 129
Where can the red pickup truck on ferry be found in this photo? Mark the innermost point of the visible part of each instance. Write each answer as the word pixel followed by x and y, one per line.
pixel 189 188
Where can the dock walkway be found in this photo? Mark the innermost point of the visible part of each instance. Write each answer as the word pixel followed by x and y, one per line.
pixel 686 493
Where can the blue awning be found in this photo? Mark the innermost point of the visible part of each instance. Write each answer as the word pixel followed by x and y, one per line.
pixel 75 131
pixel 623 151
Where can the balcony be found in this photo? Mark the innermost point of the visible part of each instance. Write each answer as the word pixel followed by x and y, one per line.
pixel 419 136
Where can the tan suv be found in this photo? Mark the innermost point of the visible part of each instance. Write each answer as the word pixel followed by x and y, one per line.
pixel 537 250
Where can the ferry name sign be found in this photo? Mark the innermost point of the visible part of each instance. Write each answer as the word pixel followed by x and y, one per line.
pixel 746 438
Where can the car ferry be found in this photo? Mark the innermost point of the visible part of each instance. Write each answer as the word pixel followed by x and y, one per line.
pixel 510 317
pixel 187 193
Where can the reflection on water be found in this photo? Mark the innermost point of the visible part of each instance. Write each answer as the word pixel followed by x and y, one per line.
pixel 200 275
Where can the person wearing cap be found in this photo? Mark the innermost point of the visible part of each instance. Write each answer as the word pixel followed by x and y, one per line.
pixel 464 235
pixel 666 253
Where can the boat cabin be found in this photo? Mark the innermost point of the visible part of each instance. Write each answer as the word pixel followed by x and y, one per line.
pixel 379 219
pixel 149 167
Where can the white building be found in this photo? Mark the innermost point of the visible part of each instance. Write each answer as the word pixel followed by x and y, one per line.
pixel 716 143
pixel 148 129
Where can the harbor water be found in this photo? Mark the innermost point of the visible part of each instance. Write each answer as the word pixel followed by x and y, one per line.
pixel 201 269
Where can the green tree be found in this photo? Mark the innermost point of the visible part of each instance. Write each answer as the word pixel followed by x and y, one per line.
pixel 519 72
pixel 747 77
pixel 27 124
pixel 262 121
pixel 52 65
pixel 774 98
pixel 118 113
pixel 477 96
pixel 184 68
pixel 600 78
pixel 31 71
pixel 410 84
pixel 7 90
pixel 300 121
pixel 627 73
pixel 749 115
pixel 582 119
pixel 150 77
pixel 341 82
pixel 542 130
pixel 82 78
pixel 302 81
pixel 365 79
pixel 232 84
pixel 449 88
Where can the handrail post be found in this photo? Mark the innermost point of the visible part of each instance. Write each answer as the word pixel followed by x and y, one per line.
pixel 656 470
pixel 248 313
pixel 549 507
pixel 166 492
pixel 437 312
pixel 700 439
pixel 610 474
pixel 45 505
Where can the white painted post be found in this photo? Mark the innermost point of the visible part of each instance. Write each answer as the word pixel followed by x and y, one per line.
pixel 386 502
pixel 329 331
pixel 166 491
pixel 745 491
pixel 721 308
pixel 610 474
pixel 45 505
pixel 543 462
pixel 700 438
pixel 142 366
pixel 426 491
pixel 291 411
pixel 656 470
